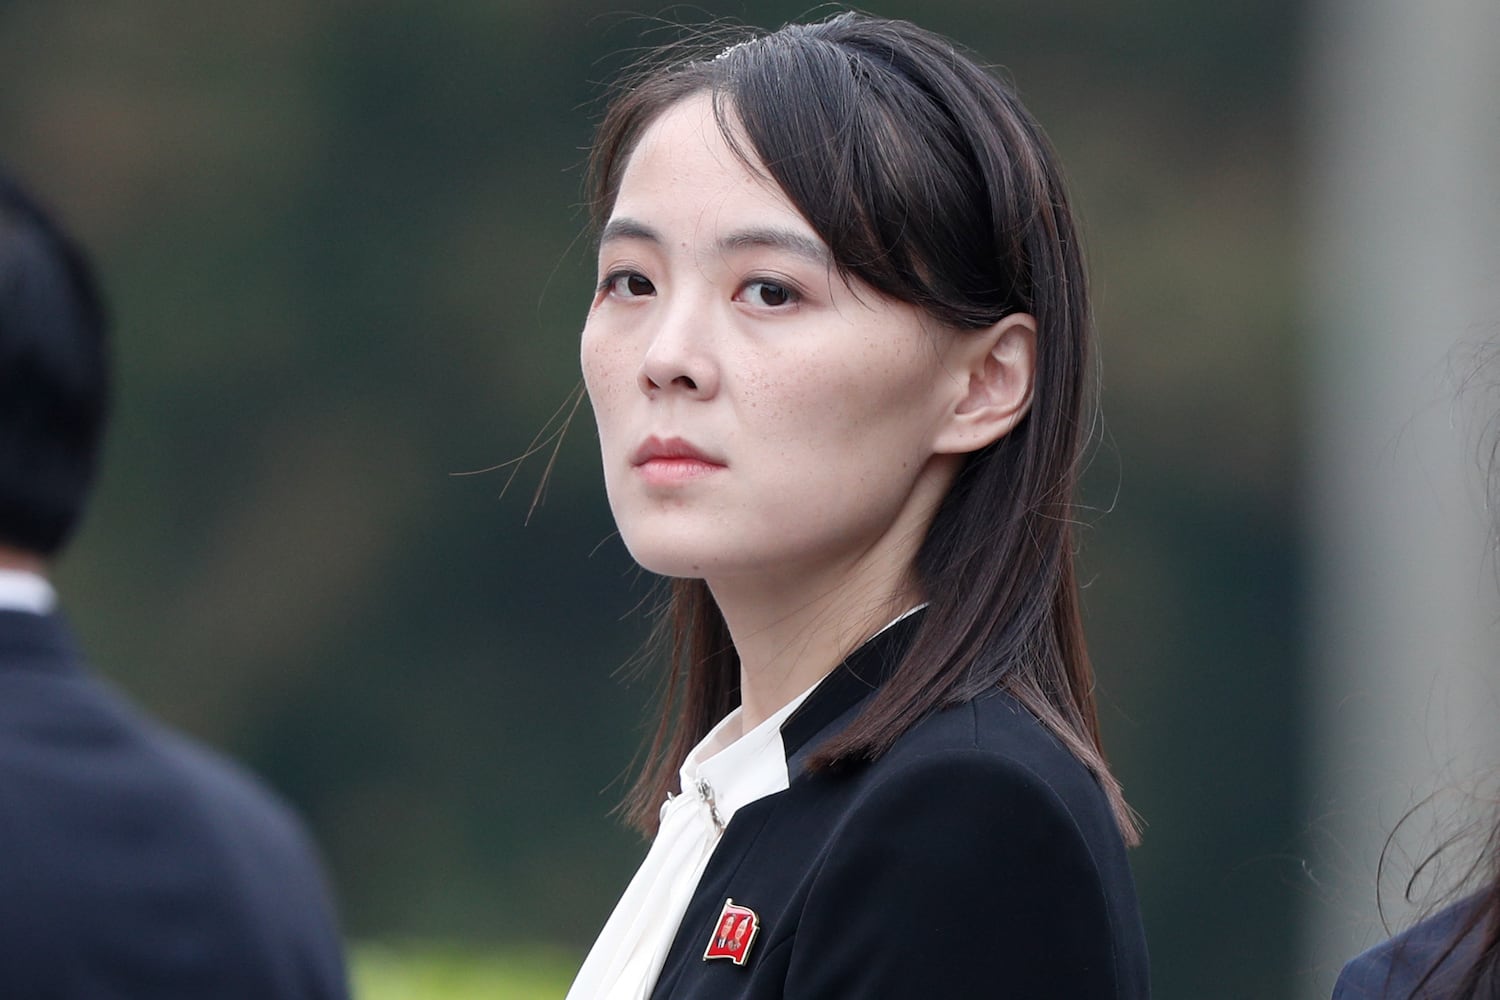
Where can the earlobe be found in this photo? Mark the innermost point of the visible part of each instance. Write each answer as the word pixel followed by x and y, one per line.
pixel 999 364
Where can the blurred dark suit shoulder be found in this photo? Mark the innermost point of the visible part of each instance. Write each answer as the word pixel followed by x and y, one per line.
pixel 1393 969
pixel 136 863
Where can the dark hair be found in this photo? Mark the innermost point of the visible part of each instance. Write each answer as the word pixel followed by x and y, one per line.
pixel 54 377
pixel 930 183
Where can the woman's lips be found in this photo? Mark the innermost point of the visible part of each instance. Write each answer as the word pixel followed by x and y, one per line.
pixel 669 460
pixel 671 470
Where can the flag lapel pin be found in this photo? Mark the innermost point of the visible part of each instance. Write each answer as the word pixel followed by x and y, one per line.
pixel 733 934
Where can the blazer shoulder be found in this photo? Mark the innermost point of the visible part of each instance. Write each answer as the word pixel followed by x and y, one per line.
pixel 265 856
pixel 74 735
pixel 120 818
pixel 978 842
pixel 997 735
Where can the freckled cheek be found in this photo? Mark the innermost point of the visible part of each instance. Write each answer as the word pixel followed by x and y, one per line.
pixel 837 404
pixel 607 370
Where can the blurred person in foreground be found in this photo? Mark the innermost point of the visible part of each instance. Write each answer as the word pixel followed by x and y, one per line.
pixel 133 862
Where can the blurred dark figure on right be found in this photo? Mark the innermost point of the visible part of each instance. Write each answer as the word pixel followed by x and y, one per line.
pixel 1454 954
pixel 134 863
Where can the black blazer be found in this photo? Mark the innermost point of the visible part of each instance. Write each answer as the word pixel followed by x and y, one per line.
pixel 1392 970
pixel 977 858
pixel 134 863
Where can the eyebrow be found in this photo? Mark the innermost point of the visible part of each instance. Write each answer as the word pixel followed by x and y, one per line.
pixel 627 229
pixel 785 240
pixel 769 237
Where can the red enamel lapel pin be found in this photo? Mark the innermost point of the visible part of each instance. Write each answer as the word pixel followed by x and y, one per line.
pixel 734 932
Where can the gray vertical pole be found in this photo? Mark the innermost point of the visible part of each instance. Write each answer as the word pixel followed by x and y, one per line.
pixel 1403 215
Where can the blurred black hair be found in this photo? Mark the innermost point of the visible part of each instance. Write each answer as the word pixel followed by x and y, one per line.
pixel 54 376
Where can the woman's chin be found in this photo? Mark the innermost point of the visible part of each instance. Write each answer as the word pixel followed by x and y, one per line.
pixel 669 561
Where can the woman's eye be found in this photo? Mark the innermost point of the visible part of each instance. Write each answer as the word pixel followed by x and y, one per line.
pixel 769 294
pixel 629 285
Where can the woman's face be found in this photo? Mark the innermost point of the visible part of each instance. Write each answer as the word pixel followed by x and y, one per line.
pixel 757 415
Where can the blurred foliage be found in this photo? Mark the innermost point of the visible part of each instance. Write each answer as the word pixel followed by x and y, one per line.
pixel 412 972
pixel 343 245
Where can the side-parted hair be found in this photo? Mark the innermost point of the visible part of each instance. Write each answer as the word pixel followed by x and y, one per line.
pixel 54 377
pixel 931 184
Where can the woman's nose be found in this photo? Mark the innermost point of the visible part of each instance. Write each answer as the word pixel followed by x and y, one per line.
pixel 679 357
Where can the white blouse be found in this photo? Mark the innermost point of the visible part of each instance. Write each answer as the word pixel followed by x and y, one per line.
pixel 726 771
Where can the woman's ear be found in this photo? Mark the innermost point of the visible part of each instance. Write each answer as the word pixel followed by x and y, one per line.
pixel 999 364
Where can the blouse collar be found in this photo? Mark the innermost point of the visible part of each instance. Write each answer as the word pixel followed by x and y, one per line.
pixel 735 768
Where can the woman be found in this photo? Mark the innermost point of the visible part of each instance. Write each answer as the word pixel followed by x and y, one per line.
pixel 839 360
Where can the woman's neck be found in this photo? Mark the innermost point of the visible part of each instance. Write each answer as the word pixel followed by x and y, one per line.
pixel 22 561
pixel 789 638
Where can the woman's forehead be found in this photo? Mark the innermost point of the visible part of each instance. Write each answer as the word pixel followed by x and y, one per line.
pixel 684 173
pixel 686 141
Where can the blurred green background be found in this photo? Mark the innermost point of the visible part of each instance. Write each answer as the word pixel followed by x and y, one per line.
pixel 343 245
